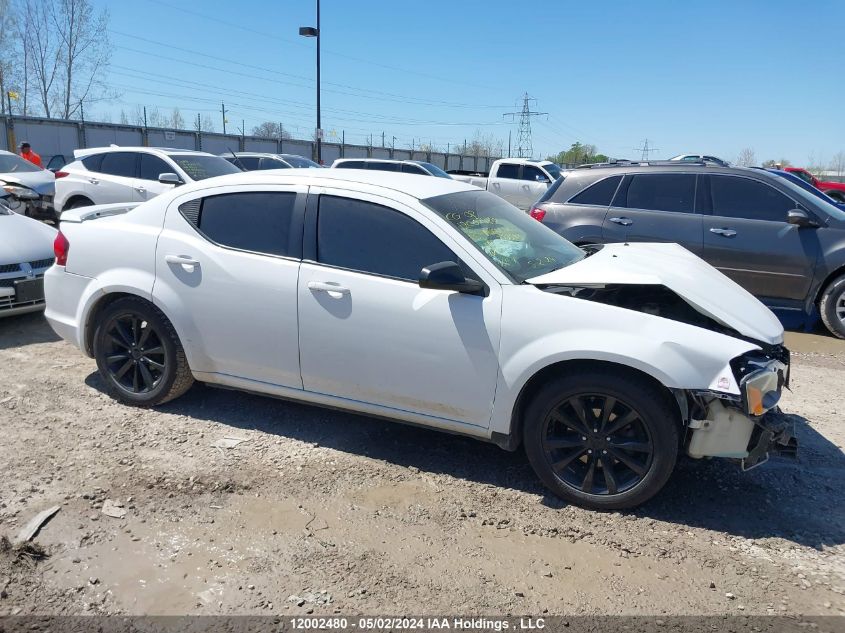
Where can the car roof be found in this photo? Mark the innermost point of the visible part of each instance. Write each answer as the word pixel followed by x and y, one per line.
pixel 410 184
pixel 89 151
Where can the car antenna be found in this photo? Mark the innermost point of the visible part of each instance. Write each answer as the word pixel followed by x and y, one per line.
pixel 237 160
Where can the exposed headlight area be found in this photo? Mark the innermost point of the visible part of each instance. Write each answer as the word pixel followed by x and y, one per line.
pixel 23 193
pixel 761 377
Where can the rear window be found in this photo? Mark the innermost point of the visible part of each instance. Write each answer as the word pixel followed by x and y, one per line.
pixel 352 164
pixel 434 170
pixel 599 193
pixel 383 166
pixel 200 167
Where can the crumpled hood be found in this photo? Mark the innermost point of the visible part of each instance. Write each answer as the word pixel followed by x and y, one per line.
pixel 23 239
pixel 42 182
pixel 690 277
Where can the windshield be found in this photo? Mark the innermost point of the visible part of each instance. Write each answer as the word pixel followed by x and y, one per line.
pixel 434 170
pixel 554 170
pixel 517 244
pixel 200 167
pixel 299 162
pixel 11 163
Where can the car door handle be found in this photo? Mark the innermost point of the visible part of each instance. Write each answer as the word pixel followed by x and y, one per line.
pixel 140 189
pixel 622 221
pixel 324 286
pixel 94 181
pixel 182 260
pixel 724 232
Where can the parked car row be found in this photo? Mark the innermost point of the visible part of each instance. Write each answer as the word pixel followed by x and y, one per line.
pixel 779 241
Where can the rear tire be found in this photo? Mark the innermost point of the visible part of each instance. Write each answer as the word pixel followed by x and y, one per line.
pixel 603 439
pixel 832 307
pixel 139 354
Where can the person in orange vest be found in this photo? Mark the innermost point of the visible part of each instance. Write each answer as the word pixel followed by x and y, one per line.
pixel 28 154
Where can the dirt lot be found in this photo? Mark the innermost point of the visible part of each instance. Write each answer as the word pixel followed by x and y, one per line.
pixel 337 513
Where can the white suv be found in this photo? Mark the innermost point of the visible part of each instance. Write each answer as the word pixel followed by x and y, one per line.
pixel 105 175
pixel 432 302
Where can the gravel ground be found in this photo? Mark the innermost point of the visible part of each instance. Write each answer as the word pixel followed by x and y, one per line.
pixel 326 512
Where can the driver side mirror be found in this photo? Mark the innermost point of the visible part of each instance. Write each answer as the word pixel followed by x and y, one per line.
pixel 169 178
pixel 449 276
pixel 801 219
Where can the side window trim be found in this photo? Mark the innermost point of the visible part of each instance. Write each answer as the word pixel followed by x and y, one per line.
pixel 190 210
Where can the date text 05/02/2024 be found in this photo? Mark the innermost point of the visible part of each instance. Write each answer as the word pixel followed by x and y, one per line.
pixel 417 623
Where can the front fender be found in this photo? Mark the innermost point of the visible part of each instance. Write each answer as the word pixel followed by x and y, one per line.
pixel 678 355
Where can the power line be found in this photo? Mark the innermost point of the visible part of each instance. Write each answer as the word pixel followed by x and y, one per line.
pixel 524 147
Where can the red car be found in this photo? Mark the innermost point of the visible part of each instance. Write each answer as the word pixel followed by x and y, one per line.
pixel 835 190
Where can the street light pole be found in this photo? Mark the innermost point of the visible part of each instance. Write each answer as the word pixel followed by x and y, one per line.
pixel 310 31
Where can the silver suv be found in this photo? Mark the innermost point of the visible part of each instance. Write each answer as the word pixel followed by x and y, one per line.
pixel 781 243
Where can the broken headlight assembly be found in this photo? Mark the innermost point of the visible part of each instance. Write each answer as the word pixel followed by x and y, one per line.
pixel 761 378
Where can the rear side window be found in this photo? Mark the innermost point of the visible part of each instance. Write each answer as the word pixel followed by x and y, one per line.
pixel 254 221
pixel 662 192
pixel 272 163
pixel 736 197
pixel 152 166
pixel 246 162
pixel 508 170
pixel 374 239
pixel 352 164
pixel 119 164
pixel 600 193
pixel 383 166
pixel 92 163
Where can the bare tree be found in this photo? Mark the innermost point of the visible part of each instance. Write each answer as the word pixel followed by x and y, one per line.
pixel 271 129
pixel 177 121
pixel 8 51
pixel 124 120
pixel 43 56
pixel 837 164
pixel 746 158
pixel 815 165
pixel 85 52
pixel 207 124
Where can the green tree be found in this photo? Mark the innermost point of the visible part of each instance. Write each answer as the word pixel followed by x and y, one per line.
pixel 578 154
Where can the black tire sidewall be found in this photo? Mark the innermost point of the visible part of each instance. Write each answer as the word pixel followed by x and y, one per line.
pixel 661 420
pixel 147 312
pixel 827 306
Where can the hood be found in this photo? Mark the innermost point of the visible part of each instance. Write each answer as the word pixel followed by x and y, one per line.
pixel 23 239
pixel 690 277
pixel 42 182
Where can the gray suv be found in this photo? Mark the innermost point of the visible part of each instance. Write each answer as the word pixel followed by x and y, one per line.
pixel 779 242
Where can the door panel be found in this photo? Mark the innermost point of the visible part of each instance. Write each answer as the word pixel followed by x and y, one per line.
pixel 748 239
pixel 384 340
pixel 115 180
pixel 235 309
pixel 147 186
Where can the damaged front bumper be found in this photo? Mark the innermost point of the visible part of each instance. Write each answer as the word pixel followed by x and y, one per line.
pixel 728 432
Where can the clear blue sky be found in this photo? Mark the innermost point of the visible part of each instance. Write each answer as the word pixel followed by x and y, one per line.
pixel 710 76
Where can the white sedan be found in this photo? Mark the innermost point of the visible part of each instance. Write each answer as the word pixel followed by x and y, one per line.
pixel 427 301
pixel 26 252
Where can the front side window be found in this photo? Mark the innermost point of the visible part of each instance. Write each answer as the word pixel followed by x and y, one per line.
pixel 736 197
pixel 508 170
pixel 299 162
pixel 434 170
pixel 371 238
pixel 554 170
pixel 200 167
pixel 244 162
pixel 119 164
pixel 383 166
pixel 662 192
pixel 600 193
pixel 152 167
pixel 803 175
pixel 516 243
pixel 534 174
pixel 254 221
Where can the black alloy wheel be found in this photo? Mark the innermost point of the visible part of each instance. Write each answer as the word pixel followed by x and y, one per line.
pixel 135 356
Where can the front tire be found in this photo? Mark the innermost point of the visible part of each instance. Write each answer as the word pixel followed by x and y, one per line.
pixel 832 307
pixel 602 439
pixel 139 354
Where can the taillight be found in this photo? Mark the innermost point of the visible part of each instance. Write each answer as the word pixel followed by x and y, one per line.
pixel 61 247
pixel 61 174
pixel 537 214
